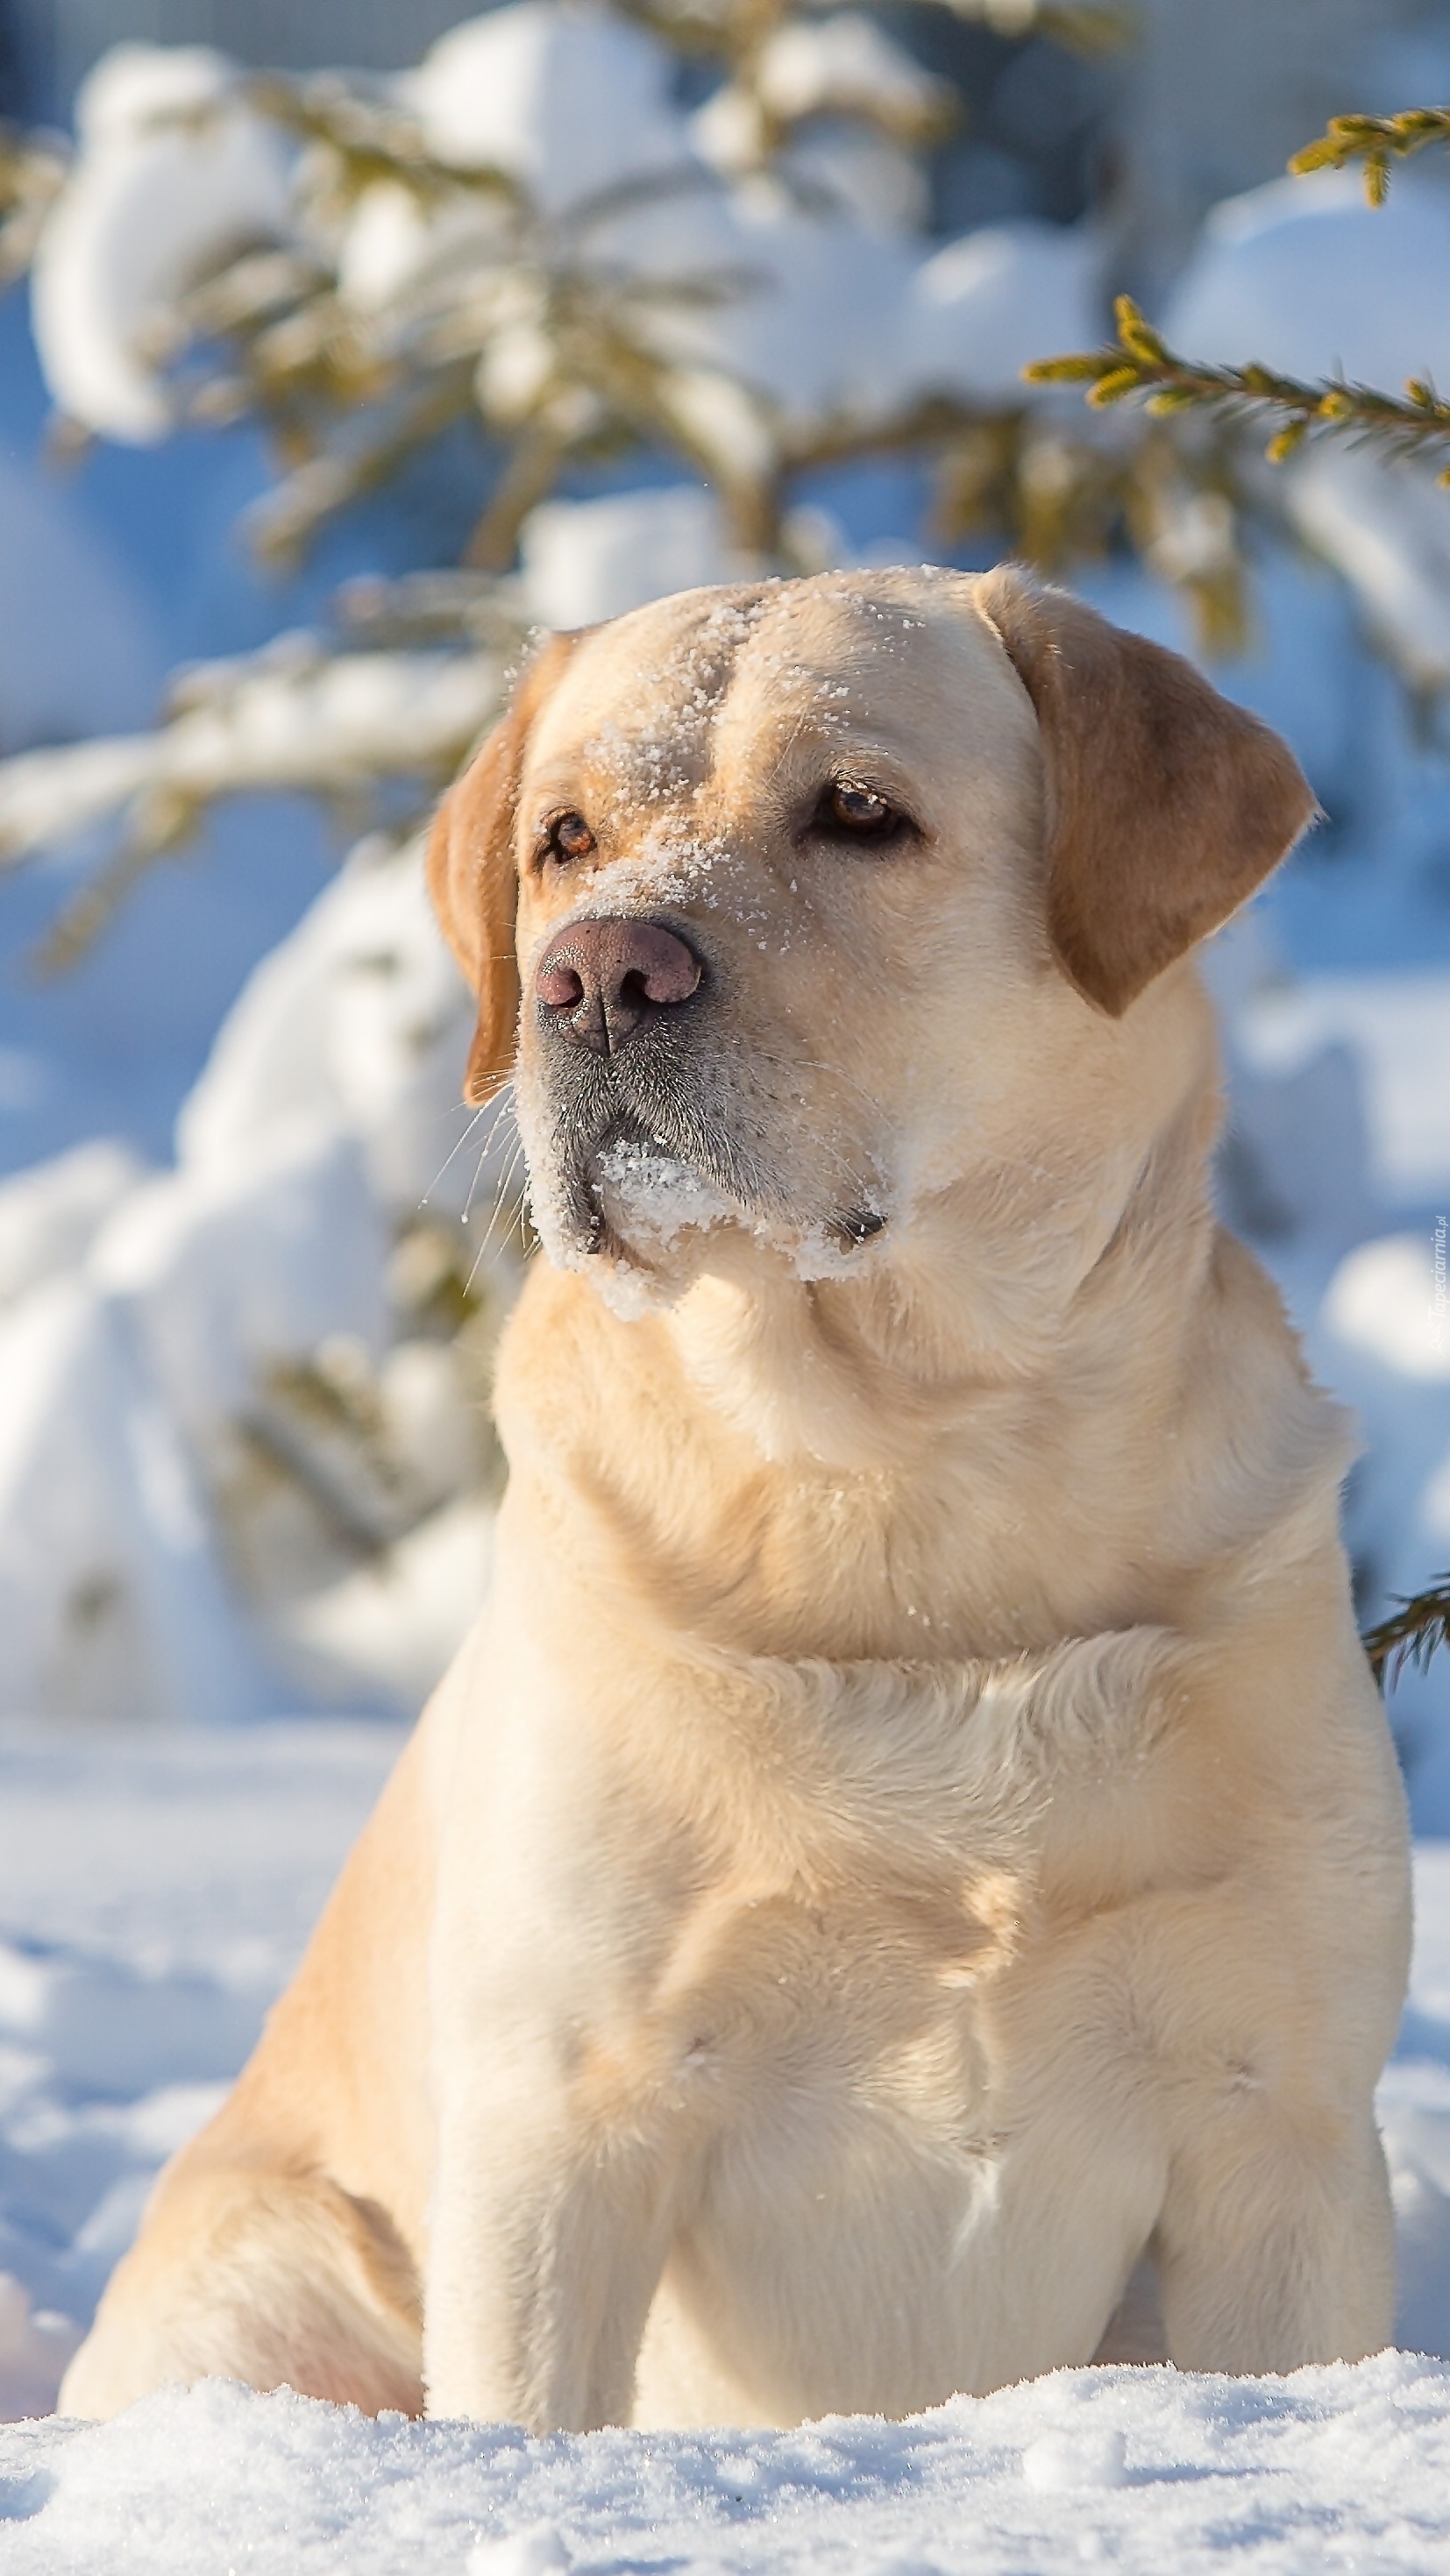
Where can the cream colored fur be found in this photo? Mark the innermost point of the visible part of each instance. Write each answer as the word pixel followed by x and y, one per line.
pixel 912 1843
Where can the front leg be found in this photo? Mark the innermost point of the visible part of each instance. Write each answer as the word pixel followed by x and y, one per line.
pixel 1276 2243
pixel 554 2203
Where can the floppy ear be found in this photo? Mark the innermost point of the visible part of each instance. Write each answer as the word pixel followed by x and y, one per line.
pixel 471 873
pixel 1165 805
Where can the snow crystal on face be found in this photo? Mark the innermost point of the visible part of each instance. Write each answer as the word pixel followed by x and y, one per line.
pixel 813 1253
pixel 656 1196
pixel 670 864
pixel 650 1199
pixel 660 761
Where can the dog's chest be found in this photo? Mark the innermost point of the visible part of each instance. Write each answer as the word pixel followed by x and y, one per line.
pixel 891 1945
pixel 863 2087
pixel 871 1981
pixel 814 2028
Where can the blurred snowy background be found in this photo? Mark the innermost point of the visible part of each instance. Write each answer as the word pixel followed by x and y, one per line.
pixel 321 392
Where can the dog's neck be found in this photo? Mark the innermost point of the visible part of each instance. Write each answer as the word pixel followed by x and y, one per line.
pixel 1019 1422
pixel 1012 1282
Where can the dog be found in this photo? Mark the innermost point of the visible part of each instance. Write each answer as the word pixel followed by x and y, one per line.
pixel 911 1857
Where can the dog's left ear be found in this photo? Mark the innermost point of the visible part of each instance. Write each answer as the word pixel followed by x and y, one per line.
pixel 1165 805
pixel 472 877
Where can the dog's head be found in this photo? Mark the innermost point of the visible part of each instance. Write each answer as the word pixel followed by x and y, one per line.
pixel 793 907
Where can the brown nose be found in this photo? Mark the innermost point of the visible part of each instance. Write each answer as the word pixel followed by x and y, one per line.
pixel 601 980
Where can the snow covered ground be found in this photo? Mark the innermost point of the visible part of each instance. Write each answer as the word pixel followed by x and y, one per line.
pixel 154 1890
pixel 1143 2471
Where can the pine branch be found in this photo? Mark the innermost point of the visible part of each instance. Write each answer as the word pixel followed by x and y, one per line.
pixel 1416 1629
pixel 1376 141
pixel 298 718
pixel 1139 362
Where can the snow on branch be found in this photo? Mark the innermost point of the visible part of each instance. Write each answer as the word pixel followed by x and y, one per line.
pixel 295 719
pixel 526 232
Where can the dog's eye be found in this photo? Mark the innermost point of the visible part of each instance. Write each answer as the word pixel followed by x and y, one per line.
pixel 854 812
pixel 569 838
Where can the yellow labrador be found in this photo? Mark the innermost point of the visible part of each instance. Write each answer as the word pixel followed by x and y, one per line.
pixel 912 1841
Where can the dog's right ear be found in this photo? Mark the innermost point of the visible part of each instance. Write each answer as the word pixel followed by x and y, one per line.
pixel 472 876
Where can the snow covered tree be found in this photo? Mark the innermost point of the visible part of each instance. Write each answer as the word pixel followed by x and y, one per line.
pixel 528 236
